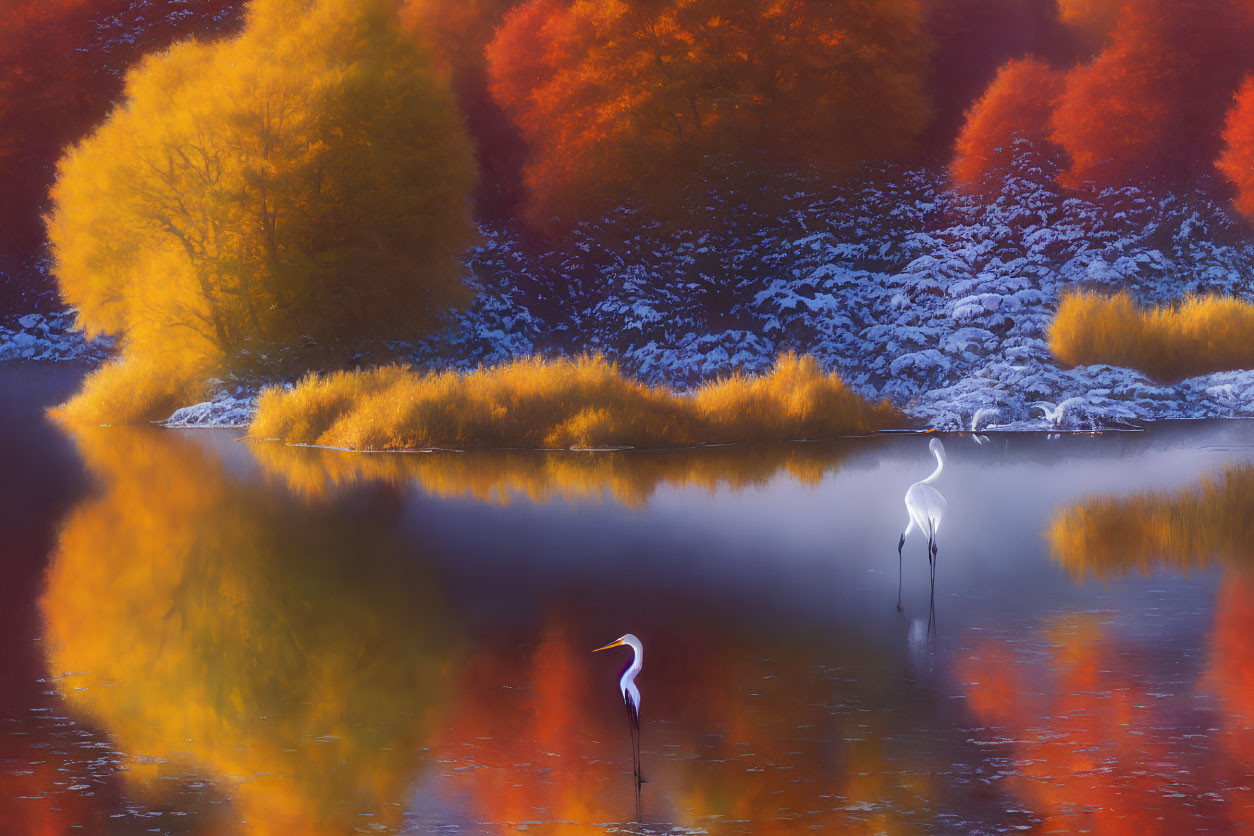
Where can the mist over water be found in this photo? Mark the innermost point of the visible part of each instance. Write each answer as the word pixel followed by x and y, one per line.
pixel 204 635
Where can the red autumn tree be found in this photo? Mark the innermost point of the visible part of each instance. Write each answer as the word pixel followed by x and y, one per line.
pixel 1016 107
pixel 617 98
pixel 63 63
pixel 456 32
pixel 1152 102
pixel 1237 160
pixel 976 37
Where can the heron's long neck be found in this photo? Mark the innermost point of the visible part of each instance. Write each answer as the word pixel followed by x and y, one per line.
pixel 637 662
pixel 940 465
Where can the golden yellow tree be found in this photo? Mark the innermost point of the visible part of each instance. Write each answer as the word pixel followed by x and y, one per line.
pixel 305 183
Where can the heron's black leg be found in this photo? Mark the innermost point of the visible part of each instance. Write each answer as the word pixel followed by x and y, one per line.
pixel 640 779
pixel 633 725
pixel 898 580
pixel 931 614
pixel 631 730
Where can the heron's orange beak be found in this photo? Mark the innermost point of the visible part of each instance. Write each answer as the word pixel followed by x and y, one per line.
pixel 608 646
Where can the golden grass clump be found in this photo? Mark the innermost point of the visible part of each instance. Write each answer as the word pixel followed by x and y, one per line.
pixel 1111 537
pixel 133 390
pixel 580 402
pixel 1200 335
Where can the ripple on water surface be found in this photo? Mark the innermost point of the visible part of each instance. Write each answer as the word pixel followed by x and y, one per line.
pixel 224 636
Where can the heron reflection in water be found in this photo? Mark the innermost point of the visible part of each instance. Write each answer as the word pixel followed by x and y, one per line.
pixel 631 695
pixel 925 506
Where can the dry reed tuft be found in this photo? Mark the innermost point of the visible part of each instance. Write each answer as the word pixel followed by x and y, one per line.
pixel 1199 335
pixel 131 391
pixel 581 402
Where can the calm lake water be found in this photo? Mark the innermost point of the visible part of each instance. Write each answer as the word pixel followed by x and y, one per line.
pixel 204 635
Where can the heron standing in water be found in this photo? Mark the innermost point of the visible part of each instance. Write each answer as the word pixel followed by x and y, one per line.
pixel 926 506
pixel 631 694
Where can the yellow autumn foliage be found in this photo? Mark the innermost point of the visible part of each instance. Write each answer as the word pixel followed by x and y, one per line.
pixel 215 629
pixel 135 390
pixel 1199 335
pixel 257 200
pixel 582 402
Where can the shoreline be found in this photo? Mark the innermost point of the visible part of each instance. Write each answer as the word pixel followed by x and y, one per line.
pixel 235 409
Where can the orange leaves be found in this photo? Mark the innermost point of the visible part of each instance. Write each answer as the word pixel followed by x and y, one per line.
pixel 626 100
pixel 1149 106
pixel 1237 160
pixel 1016 107
pixel 1152 101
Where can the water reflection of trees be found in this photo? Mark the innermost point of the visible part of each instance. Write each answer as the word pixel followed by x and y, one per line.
pixel 1230 677
pixel 1212 520
pixel 630 477
pixel 1099 734
pixel 1111 700
pixel 731 739
pixel 213 625
pixel 34 798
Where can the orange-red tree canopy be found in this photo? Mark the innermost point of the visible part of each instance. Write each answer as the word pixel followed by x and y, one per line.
pixel 615 97
pixel 1017 106
pixel 1237 160
pixel 1152 102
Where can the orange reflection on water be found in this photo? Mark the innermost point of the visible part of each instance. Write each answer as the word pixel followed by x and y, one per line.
pixel 727 738
pixel 1230 676
pixel 204 623
pixel 630 477
pixel 1211 521
pixel 1094 746
pixel 34 799
pixel 528 726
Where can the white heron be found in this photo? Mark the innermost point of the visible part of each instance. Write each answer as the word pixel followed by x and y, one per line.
pixel 926 506
pixel 631 694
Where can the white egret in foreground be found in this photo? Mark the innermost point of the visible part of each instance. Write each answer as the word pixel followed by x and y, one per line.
pixel 926 506
pixel 631 694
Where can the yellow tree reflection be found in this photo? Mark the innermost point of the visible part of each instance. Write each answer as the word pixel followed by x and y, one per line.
pixel 631 477
pixel 1087 736
pixel 1212 520
pixel 207 623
